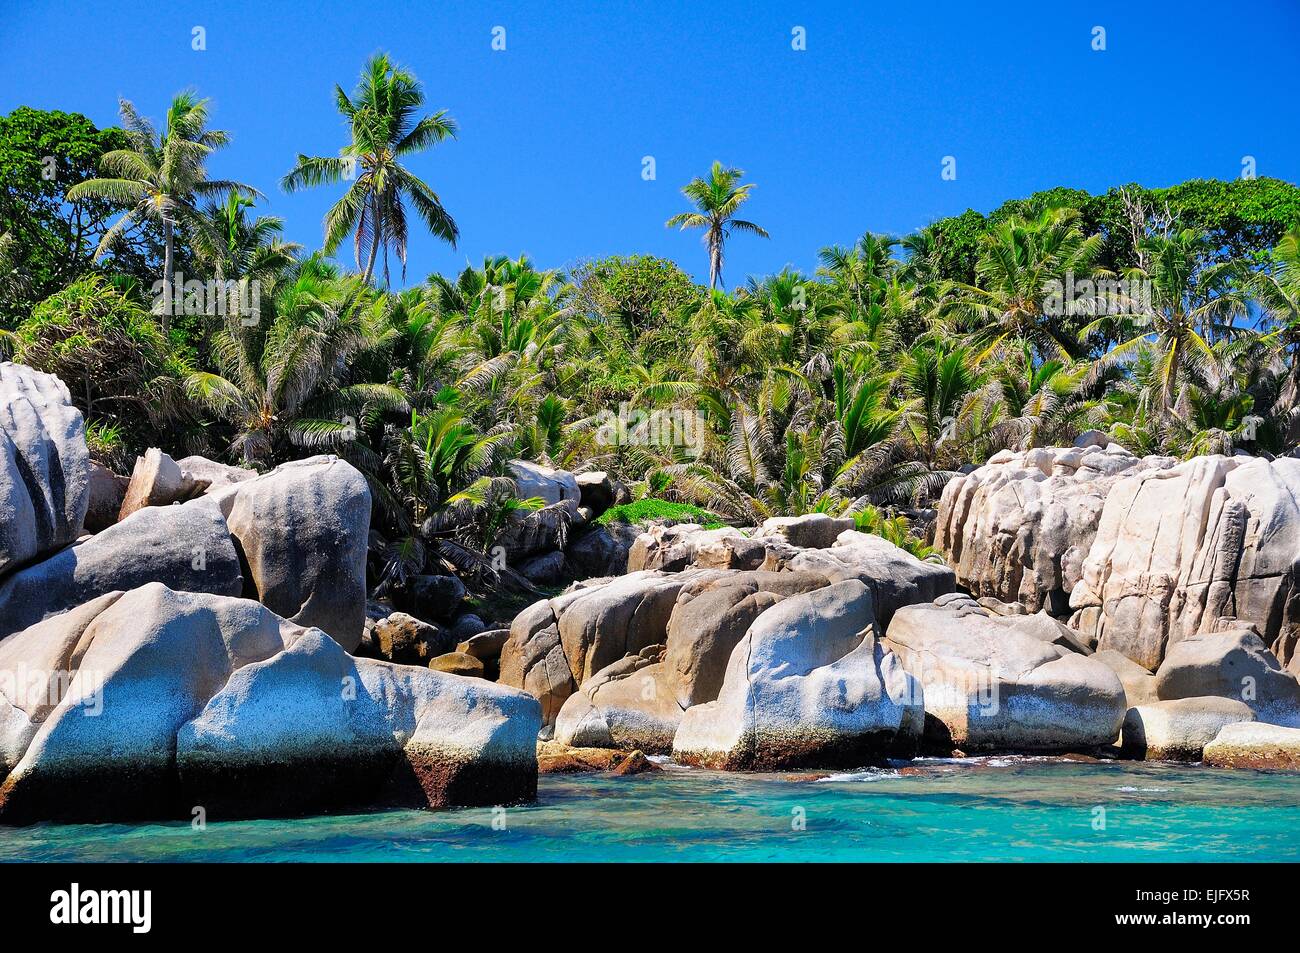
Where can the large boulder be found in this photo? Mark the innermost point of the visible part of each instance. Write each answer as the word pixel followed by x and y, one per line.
pixel 600 550
pixel 1232 663
pixel 1139 684
pixel 205 474
pixel 1178 730
pixel 107 491
pixel 625 705
pixel 810 531
pixel 1255 745
pixel 895 576
pixel 44 466
pixel 673 548
pixel 174 700
pixel 1018 528
pixel 528 533
pixel 1179 548
pixel 157 480
pixel 557 644
pixel 551 486
pixel 303 530
pixel 637 702
pixel 992 686
pixel 186 548
pixel 808 685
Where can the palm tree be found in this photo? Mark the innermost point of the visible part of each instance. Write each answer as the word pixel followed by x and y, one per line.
pixel 1020 258
pixel 287 381
pixel 235 247
pixel 716 200
pixel 1194 301
pixel 159 178
pixel 382 115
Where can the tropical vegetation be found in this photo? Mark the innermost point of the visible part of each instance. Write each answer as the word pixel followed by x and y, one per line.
pixel 1168 318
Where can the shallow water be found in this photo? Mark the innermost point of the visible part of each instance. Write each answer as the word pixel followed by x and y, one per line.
pixel 979 809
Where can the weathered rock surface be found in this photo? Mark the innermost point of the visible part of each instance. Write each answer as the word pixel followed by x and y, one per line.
pixel 556 758
pixel 207 474
pixel 303 530
pixel 172 700
pixel 1018 528
pixel 1179 730
pixel 156 480
pixel 107 490
pixel 808 685
pixel 1231 663
pixel 601 550
pixel 557 644
pixel 1139 684
pixel 406 640
pixel 186 548
pixel 44 466
pixel 458 663
pixel 552 486
pixel 1255 745
pixel 811 531
pixel 433 597
pixel 1180 547
pixel 673 548
pixel 895 576
pixel 991 686
pixel 544 570
pixel 625 705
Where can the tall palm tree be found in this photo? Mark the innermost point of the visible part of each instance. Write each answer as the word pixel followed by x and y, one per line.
pixel 717 200
pixel 159 177
pixel 382 113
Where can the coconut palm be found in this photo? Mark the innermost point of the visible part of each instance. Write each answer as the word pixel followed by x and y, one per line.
pixel 382 114
pixel 1011 300
pixel 234 246
pixel 159 178
pixel 716 200
pixel 1194 302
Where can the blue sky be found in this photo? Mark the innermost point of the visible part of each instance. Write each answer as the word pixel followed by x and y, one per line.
pixel 844 136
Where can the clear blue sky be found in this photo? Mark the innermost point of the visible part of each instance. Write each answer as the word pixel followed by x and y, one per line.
pixel 845 136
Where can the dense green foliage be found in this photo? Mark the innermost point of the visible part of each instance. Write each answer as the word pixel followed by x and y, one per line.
pixel 643 511
pixel 1169 318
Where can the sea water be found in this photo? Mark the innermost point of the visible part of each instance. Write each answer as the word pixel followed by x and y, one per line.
pixel 974 809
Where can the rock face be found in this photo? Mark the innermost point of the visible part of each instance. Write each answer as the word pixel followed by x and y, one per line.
pixel 157 480
pixel 303 530
pixel 992 686
pixel 1231 663
pixel 895 576
pixel 107 490
pixel 168 700
pixel 1253 745
pixel 552 486
pixel 557 644
pixel 811 531
pixel 601 550
pixel 1179 548
pixel 184 547
pixel 44 466
pixel 637 702
pixel 1179 730
pixel 673 548
pixel 1018 528
pixel 808 685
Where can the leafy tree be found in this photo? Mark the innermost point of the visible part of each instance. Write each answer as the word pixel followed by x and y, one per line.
pixel 123 373
pixel 42 155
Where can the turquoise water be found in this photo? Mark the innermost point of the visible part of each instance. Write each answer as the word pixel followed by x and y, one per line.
pixel 971 810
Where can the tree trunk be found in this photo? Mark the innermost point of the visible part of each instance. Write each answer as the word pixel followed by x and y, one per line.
pixel 374 245
pixel 169 300
pixel 715 259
